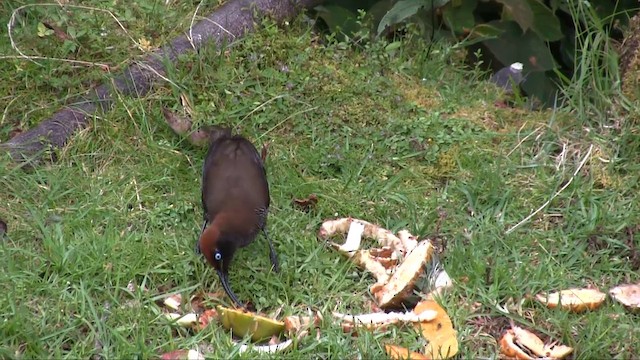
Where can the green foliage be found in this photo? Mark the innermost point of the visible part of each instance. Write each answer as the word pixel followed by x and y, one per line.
pixel 540 34
pixel 96 238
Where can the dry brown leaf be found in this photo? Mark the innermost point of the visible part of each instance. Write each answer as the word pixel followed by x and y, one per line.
pixel 57 31
pixel 627 295
pixel 305 204
pixel 396 352
pixel 576 300
pixel 3 228
pixel 180 124
pixel 442 337
pixel 522 344
pixel 186 104
pixel 263 152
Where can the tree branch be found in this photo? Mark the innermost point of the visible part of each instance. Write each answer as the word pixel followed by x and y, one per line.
pixel 227 23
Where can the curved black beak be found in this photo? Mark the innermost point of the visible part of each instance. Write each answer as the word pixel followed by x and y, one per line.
pixel 225 284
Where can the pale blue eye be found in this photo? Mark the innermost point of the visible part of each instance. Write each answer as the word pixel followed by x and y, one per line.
pixel 217 256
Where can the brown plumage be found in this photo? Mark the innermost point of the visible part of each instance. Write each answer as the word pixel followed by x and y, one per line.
pixel 235 200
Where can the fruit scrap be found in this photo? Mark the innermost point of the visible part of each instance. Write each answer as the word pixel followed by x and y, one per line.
pixel 407 277
pixel 182 355
pixel 522 344
pixel 299 326
pixel 576 300
pixel 267 349
pixel 399 353
pixel 383 236
pixel 352 244
pixel 381 319
pixel 409 242
pixel 173 302
pixel 443 340
pixel 246 323
pixel 189 320
pixel 627 295
pixel 206 317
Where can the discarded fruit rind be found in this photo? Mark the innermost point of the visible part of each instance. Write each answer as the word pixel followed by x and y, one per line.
pixel 246 323
pixel 296 323
pixel 406 278
pixel 363 260
pixel 206 317
pixel 173 302
pixel 627 295
pixel 396 352
pixel 383 236
pixel 354 238
pixel 510 349
pixel 442 337
pixel 267 349
pixel 522 344
pixel 576 300
pixel 182 355
pixel 408 241
pixel 375 320
pixel 187 320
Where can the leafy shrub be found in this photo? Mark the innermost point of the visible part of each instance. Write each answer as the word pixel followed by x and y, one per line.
pixel 548 36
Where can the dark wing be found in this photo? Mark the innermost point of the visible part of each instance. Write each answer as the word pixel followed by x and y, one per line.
pixel 233 175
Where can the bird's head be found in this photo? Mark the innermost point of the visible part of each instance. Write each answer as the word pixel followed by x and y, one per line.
pixel 219 250
pixel 216 249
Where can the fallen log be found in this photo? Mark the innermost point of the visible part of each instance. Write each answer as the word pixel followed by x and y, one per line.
pixel 226 24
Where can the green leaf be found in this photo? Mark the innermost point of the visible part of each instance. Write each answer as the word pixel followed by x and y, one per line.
pixel 519 11
pixel 393 46
pixel 545 22
pixel 339 19
pixel 514 46
pixel 400 11
pixel 458 15
pixel 542 86
pixel 43 30
pixel 483 32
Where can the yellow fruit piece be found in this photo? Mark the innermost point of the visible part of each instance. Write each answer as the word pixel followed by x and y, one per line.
pixel 576 300
pixel 399 353
pixel 247 323
pixel 405 278
pixel 443 340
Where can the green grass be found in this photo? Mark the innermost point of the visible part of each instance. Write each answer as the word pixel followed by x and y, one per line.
pixel 400 139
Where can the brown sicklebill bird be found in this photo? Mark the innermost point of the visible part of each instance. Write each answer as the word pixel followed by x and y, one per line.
pixel 235 200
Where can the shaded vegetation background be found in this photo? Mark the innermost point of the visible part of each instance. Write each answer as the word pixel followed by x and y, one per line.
pixel 397 135
pixel 547 36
